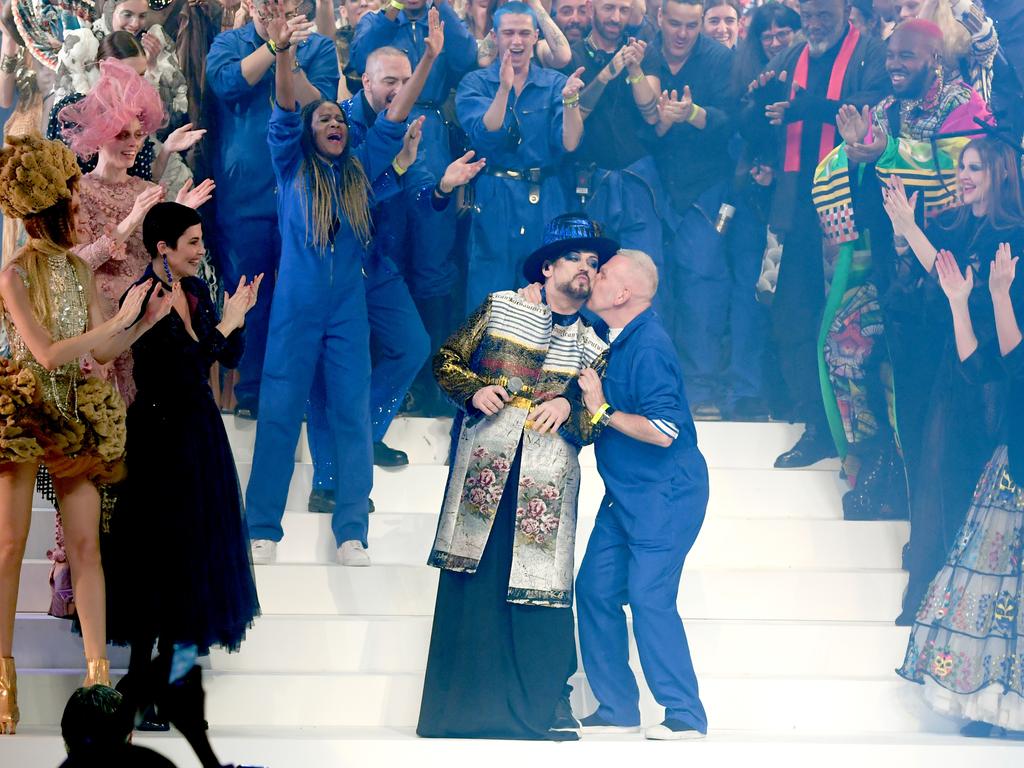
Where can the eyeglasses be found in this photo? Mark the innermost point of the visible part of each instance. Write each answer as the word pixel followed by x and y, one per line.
pixel 783 36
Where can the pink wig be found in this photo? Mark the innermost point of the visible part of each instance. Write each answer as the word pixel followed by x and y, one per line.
pixel 118 97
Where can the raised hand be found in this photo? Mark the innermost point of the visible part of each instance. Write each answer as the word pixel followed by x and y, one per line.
pixel 955 285
pixel 146 200
pixel 278 28
pixel 490 399
pixel 673 108
pixel 633 55
pixel 300 29
pixel 531 293
pixel 853 125
pixel 434 41
pixel 152 46
pixel 1003 271
pixel 506 73
pixel 461 171
pixel 573 85
pixel 254 291
pixel 160 304
pixel 183 138
pixel 411 143
pixel 899 208
pixel 237 304
pixel 194 197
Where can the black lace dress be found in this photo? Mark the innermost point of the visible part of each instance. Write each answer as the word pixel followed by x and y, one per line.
pixel 177 561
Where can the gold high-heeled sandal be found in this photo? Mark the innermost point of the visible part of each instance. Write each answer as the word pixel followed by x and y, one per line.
pixel 9 714
pixel 97 672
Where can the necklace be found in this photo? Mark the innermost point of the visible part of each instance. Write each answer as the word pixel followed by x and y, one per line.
pixel 69 316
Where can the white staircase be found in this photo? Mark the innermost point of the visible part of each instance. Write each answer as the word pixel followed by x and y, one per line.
pixel 788 611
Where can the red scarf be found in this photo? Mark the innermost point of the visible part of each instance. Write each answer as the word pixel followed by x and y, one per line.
pixel 795 131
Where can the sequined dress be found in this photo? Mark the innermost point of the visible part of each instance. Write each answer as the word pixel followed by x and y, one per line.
pixel 115 265
pixel 73 425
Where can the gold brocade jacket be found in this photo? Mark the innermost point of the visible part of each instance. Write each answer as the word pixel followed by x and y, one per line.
pixel 512 340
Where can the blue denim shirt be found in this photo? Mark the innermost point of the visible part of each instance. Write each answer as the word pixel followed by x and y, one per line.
pixel 531 134
pixel 240 113
pixel 457 57
pixel 307 272
pixel 644 377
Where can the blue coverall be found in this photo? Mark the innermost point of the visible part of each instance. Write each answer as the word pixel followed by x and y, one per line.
pixel 428 269
pixel 246 206
pixel 654 505
pixel 506 226
pixel 318 319
pixel 399 342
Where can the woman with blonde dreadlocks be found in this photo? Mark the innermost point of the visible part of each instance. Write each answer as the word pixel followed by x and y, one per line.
pixel 318 316
pixel 50 414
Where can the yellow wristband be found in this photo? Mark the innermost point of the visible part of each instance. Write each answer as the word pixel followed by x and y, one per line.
pixel 397 5
pixel 398 169
pixel 694 109
pixel 634 80
pixel 600 412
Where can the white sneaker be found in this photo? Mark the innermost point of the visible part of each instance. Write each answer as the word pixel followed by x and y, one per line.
pixel 662 732
pixel 353 554
pixel 264 551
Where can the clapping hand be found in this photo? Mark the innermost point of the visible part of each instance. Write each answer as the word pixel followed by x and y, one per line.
pixel 507 73
pixel 899 207
pixel 673 108
pixel 183 138
pixel 461 171
pixel 1002 272
pixel 411 143
pixel 194 197
pixel 633 55
pixel 955 285
pixel 573 85
pixel 615 66
pixel 853 124
pixel 152 47
pixel 131 306
pixel 238 304
pixel 434 41
pixel 160 303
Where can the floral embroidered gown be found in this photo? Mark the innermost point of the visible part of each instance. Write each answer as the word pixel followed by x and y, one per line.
pixel 967 643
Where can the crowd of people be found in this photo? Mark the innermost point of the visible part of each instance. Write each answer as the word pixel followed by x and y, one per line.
pixel 548 220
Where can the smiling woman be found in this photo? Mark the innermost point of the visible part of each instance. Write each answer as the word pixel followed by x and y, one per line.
pixel 111 124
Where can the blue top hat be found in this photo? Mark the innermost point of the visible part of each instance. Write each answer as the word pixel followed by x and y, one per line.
pixel 564 234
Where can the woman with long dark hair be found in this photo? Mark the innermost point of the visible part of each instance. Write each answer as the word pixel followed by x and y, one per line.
pixel 54 416
pixel 943 462
pixel 318 316
pixel 965 643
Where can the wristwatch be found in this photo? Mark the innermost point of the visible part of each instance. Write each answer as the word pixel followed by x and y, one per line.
pixel 606 417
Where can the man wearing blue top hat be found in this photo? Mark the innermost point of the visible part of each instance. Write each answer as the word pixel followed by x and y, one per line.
pixel 656 493
pixel 503 643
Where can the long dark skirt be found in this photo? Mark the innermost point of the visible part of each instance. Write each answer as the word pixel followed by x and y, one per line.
pixel 496 670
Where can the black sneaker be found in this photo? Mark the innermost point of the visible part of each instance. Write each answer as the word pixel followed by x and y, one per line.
pixel 673 730
pixel 321 501
pixel 594 724
pixel 565 720
pixel 383 456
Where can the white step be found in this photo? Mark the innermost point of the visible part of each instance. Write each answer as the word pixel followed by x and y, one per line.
pixel 406 538
pixel 330 747
pixel 737 445
pixel 407 590
pixel 396 644
pixel 734 492
pixel 371 700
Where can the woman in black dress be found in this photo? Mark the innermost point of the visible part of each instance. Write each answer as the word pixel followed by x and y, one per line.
pixel 180 573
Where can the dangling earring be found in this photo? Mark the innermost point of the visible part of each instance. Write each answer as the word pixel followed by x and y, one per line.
pixel 167 270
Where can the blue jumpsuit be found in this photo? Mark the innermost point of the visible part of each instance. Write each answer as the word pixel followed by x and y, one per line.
pixel 506 226
pixel 318 320
pixel 248 241
pixel 654 505
pixel 433 239
pixel 399 341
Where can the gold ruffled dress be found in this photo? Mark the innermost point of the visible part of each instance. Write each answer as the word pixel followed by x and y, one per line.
pixel 72 424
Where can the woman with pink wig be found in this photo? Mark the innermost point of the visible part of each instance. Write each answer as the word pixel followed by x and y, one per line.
pixel 111 124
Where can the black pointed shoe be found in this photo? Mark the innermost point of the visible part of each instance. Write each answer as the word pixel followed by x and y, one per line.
pixel 812 447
